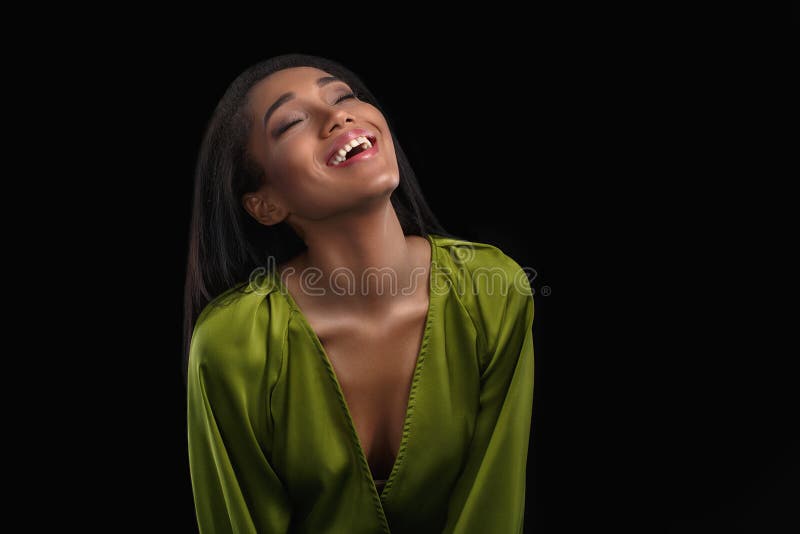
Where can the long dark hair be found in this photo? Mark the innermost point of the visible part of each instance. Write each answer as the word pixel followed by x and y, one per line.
pixel 225 243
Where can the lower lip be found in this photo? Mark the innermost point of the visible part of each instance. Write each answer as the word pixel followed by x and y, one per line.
pixel 368 153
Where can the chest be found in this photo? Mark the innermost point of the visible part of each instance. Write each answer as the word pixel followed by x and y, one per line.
pixel 316 451
pixel 375 365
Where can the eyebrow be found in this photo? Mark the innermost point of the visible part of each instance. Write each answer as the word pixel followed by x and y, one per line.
pixel 322 82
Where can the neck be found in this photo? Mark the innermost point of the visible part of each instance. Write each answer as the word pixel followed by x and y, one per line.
pixel 357 255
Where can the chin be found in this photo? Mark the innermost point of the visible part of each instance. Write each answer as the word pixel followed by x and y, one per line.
pixel 370 174
pixel 386 182
pixel 378 190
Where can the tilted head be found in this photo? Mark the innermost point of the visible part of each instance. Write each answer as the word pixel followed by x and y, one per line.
pixel 268 168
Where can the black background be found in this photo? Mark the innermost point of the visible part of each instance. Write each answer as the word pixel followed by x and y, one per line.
pixel 652 411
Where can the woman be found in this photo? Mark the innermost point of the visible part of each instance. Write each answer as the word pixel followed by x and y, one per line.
pixel 319 400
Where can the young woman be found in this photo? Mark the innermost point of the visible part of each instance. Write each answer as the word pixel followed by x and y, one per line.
pixel 351 366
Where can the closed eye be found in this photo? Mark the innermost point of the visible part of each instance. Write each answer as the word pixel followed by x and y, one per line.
pixel 288 125
pixel 285 127
pixel 345 97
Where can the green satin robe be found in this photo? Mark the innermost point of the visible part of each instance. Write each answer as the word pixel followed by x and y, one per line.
pixel 273 447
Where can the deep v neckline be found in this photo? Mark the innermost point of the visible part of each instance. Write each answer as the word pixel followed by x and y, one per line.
pixel 410 403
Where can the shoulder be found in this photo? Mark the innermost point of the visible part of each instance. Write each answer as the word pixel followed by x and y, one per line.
pixel 483 268
pixel 223 334
pixel 491 286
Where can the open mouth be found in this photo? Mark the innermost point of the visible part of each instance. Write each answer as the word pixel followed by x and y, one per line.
pixel 352 149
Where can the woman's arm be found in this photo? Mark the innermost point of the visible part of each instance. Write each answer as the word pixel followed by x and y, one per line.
pixel 235 487
pixel 489 495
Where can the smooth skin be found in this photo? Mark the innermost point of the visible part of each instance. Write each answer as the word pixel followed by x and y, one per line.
pixel 345 217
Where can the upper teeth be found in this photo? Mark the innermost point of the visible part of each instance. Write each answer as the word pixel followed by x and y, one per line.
pixel 341 155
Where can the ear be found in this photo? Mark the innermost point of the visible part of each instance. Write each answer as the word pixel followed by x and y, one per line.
pixel 262 209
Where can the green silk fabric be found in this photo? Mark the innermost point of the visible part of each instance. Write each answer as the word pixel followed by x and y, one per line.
pixel 272 445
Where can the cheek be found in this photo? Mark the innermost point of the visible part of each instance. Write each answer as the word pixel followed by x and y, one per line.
pixel 291 163
pixel 391 156
pixel 376 117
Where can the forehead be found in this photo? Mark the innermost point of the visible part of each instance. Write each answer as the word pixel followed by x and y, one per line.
pixel 292 80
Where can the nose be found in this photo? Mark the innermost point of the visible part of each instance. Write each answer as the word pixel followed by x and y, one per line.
pixel 337 118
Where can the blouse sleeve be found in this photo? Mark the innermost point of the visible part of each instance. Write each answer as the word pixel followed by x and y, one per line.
pixel 489 495
pixel 235 487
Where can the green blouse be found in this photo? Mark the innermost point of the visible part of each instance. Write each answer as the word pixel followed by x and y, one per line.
pixel 272 444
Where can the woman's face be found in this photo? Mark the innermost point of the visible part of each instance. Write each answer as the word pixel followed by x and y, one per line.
pixel 304 125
